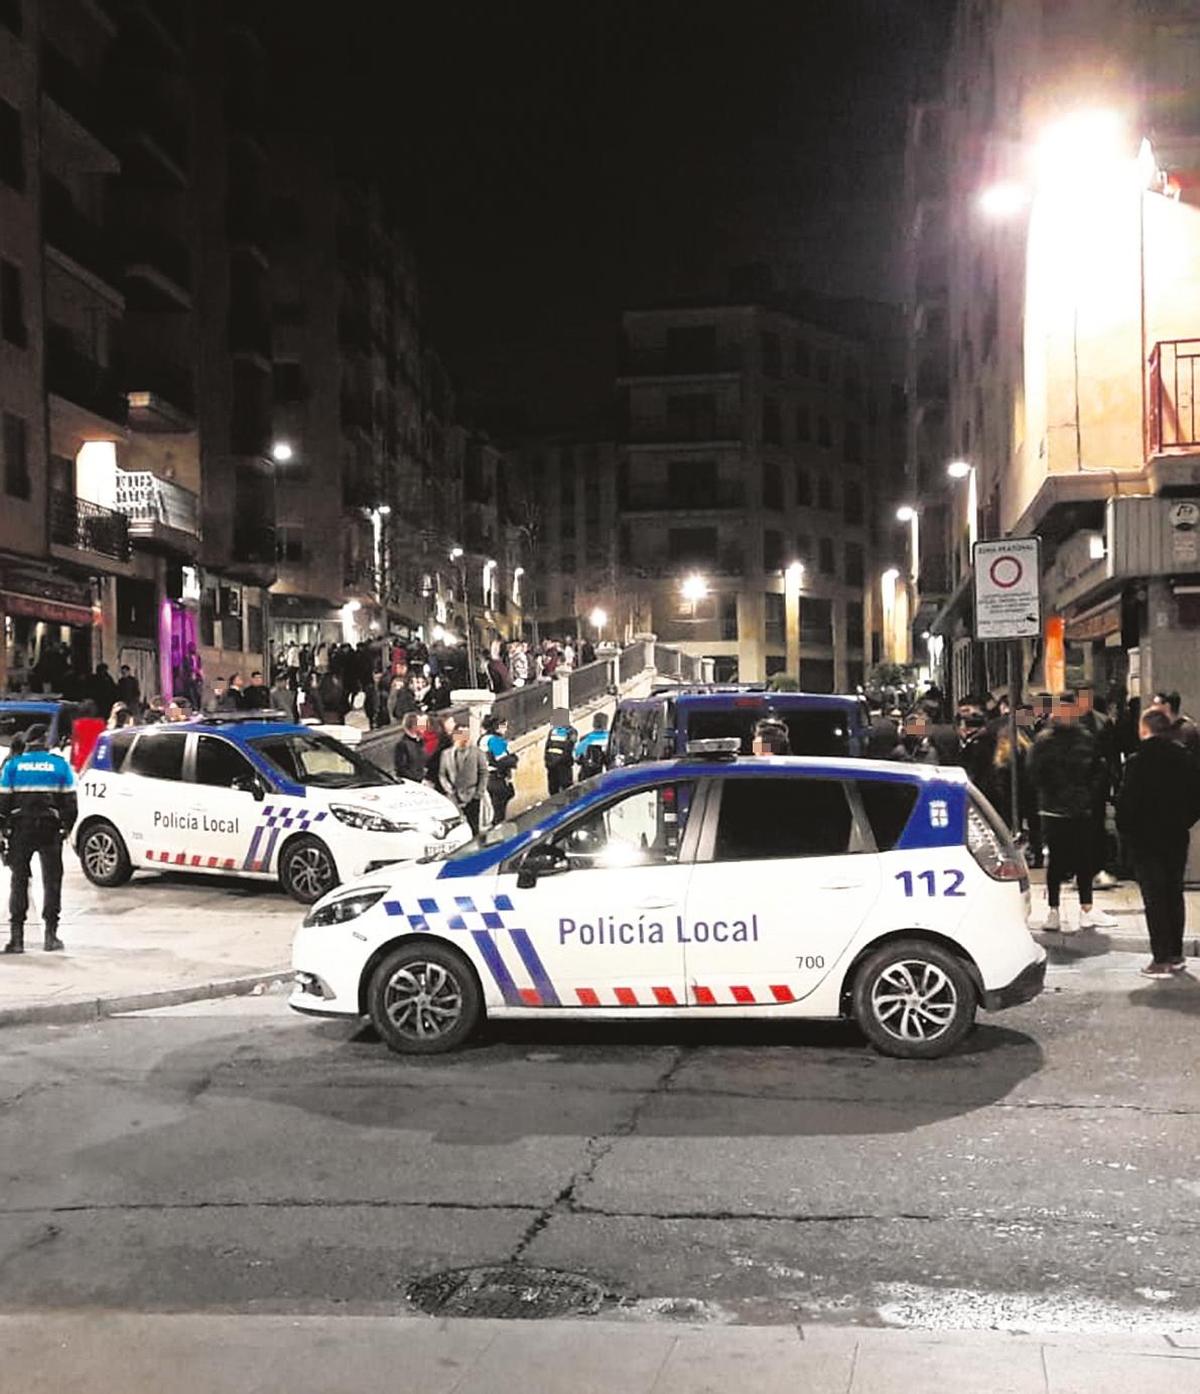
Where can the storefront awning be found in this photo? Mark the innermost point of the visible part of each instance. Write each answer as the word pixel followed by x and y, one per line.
pixel 40 608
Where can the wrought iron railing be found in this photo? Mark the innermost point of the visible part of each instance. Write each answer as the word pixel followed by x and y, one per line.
pixel 89 527
pixel 1171 406
pixel 525 708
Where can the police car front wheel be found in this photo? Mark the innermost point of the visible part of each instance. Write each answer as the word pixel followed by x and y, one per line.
pixel 914 1000
pixel 424 999
pixel 307 869
pixel 103 855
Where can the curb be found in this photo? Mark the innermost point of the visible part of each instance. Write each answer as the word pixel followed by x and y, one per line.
pixel 96 1008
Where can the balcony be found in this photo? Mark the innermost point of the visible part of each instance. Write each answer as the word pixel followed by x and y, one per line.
pixel 1174 423
pixel 82 128
pixel 250 334
pixel 725 361
pixel 153 131
pixel 79 379
pixel 692 431
pixel 254 549
pixel 161 513
pixel 88 527
pixel 75 236
pixel 158 270
pixel 161 397
pixel 659 498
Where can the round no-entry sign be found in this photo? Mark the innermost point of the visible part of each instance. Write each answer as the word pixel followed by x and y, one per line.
pixel 1006 571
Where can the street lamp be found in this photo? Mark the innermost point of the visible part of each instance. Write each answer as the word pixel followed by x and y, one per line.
pixel 598 619
pixel 458 558
pixel 377 517
pixel 906 513
pixel 693 588
pixel 963 469
pixel 793 579
pixel 281 452
pixel 1003 200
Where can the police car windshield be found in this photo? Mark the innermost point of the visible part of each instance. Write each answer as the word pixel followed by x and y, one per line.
pixel 523 822
pixel 319 761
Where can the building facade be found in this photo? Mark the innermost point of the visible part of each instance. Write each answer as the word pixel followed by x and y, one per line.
pixel 1073 297
pixel 757 485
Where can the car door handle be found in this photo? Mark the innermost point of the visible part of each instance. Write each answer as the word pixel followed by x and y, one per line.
pixel 659 903
pixel 842 885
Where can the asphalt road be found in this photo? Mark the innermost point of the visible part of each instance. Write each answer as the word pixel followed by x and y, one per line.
pixel 232 1157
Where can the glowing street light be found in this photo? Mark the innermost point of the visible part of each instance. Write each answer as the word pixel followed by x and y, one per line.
pixel 959 469
pixel 1083 146
pixel 963 469
pixel 905 513
pixel 1004 199
pixel 795 573
pixel 598 619
pixel 455 553
pixel 693 588
pixel 282 452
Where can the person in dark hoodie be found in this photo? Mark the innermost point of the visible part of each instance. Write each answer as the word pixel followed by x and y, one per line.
pixel 1068 776
pixel 1158 803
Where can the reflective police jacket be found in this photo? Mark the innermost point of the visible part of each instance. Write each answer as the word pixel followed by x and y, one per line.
pixel 37 788
pixel 560 745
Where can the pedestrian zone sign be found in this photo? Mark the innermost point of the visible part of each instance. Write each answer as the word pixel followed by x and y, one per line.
pixel 1008 592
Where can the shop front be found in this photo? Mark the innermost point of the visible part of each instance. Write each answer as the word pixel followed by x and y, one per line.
pixel 49 625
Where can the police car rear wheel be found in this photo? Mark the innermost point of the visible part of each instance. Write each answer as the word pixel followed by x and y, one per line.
pixel 914 1000
pixel 104 856
pixel 424 999
pixel 307 870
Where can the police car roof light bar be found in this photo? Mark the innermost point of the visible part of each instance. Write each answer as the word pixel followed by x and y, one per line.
pixel 716 747
pixel 234 718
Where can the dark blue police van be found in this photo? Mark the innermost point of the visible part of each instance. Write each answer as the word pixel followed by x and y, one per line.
pixel 659 727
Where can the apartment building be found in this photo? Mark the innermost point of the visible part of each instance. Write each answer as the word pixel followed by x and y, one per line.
pixel 1072 171
pixel 136 421
pixel 757 485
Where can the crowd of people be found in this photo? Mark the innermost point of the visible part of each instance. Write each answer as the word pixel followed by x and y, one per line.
pixel 1099 796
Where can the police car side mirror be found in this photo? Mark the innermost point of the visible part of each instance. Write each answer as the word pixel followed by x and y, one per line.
pixel 541 861
pixel 251 784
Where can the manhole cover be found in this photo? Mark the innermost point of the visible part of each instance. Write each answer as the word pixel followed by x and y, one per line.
pixel 506 1291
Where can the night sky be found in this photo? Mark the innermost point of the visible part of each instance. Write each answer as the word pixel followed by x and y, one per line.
pixel 560 161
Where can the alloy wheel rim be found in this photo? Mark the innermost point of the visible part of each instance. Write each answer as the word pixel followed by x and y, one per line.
pixel 312 873
pixel 101 854
pixel 914 1000
pixel 423 1001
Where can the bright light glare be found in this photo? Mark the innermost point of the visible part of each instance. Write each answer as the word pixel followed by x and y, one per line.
pixel 905 513
pixel 1083 147
pixel 281 452
pixel 795 572
pixel 384 510
pixel 598 617
pixel 959 469
pixel 455 553
pixel 890 577
pixel 693 588
pixel 1003 200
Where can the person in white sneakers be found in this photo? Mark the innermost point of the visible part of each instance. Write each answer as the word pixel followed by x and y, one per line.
pixel 1069 776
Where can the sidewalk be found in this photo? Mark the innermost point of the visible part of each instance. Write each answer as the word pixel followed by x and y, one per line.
pixel 102 1353
pixel 1124 904
pixel 158 940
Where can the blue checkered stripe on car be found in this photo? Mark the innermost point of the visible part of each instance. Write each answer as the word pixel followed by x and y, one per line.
pixel 486 924
pixel 274 819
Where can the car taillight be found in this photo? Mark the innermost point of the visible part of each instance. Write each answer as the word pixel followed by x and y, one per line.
pixel 996 854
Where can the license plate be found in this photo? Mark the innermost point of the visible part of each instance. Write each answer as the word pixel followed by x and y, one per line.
pixel 434 851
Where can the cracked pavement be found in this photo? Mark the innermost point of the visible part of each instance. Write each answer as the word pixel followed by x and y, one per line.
pixel 230 1156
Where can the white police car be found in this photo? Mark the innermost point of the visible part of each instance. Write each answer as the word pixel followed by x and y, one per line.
pixel 251 797
pixel 782 887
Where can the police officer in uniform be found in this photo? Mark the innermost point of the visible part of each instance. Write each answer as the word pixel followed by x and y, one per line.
pixel 559 752
pixel 38 808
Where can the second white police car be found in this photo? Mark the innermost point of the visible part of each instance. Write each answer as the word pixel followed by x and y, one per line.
pixel 712 887
pixel 251 797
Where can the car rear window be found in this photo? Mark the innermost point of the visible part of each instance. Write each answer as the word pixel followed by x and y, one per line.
pixel 118 747
pixel 158 756
pixel 889 805
pixel 809 732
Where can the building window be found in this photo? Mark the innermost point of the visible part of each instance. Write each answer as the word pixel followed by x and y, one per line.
pixel 776 617
pixel 12 153
pixel 772 550
pixel 803 423
pixel 692 348
pixel 17 483
pixel 692 546
pixel 804 493
pixel 568 563
pixel 826 559
pixel 12 306
pixel 816 622
pixel 289 384
pixel 729 619
pixel 691 415
pixel 772 428
pixel 854 619
pixel 855 567
pixel 289 544
pixel 852 502
pixel 825 493
pixel 824 432
pixel 772 359
pixel 772 486
pixel 852 451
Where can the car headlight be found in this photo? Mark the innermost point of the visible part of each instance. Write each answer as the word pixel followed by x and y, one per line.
pixel 370 821
pixel 346 907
